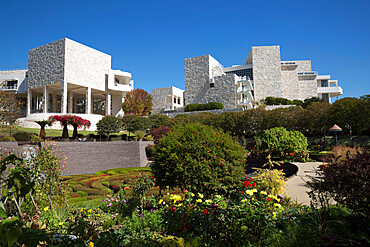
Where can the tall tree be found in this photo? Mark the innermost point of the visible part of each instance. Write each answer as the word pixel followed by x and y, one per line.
pixel 137 102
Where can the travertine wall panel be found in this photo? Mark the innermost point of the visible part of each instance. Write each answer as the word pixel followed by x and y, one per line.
pixel 86 66
pixel 307 88
pixel 46 64
pixel 290 86
pixel 159 99
pixel 12 72
pixel 303 65
pixel 196 78
pixel 266 72
pixel 224 91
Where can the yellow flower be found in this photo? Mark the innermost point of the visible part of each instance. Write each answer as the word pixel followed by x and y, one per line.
pixel 254 190
pixel 46 208
pixel 91 244
pixel 199 200
pixel 61 223
pixel 249 192
pixel 160 201
pixel 89 211
pixel 192 194
pixel 200 195
pixel 274 197
pixel 208 201
pixel 244 200
pixel 175 198
pixel 263 193
pixel 273 215
pixel 218 196
pixel 277 205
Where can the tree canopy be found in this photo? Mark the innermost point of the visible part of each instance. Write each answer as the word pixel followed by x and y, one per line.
pixel 137 102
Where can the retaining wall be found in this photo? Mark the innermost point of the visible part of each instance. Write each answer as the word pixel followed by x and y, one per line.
pixel 90 157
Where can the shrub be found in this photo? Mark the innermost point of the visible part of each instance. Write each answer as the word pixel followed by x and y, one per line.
pixel 149 151
pixel 139 135
pixel 108 125
pixel 159 132
pixel 199 158
pixel 22 136
pixel 283 144
pixel 35 139
pixel 346 181
pixel 7 139
pixel 132 123
pixel 202 107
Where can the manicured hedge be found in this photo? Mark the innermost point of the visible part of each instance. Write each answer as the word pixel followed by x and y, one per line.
pixel 203 107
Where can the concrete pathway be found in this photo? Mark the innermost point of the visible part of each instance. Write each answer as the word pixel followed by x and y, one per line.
pixel 296 185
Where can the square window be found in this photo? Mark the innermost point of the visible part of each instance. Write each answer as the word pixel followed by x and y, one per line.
pixel 211 85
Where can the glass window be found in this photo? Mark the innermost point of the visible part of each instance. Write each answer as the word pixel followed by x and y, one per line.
pixel 174 100
pixel 178 101
pixel 324 83
pixel 325 97
pixel 211 85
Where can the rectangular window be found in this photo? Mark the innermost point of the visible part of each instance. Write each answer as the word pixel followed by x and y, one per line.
pixel 325 97
pixel 211 85
pixel 178 101
pixel 174 100
pixel 324 83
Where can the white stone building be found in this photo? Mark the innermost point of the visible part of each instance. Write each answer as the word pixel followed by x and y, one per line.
pixel 167 99
pixel 66 77
pixel 262 75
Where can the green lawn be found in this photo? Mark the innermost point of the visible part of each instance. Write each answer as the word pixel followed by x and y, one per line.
pixel 54 132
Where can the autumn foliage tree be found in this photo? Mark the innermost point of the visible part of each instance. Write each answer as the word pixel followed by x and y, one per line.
pixel 137 102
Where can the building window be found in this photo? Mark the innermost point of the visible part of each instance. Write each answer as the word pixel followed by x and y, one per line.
pixel 12 84
pixel 325 97
pixel 174 100
pixel 211 85
pixel 324 83
pixel 178 101
pixel 243 73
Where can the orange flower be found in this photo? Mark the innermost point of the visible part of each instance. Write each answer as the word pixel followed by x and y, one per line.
pixel 126 188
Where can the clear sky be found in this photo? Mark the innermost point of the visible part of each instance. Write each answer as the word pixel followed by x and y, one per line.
pixel 151 39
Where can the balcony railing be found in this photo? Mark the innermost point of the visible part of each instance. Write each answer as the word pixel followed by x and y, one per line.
pixel 309 73
pixel 288 63
pixel 333 91
pixel 9 87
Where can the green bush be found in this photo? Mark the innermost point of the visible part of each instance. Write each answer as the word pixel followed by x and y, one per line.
pixel 7 139
pixel 108 125
pixel 281 101
pixel 203 107
pixel 89 191
pixel 283 144
pixel 22 136
pixel 198 158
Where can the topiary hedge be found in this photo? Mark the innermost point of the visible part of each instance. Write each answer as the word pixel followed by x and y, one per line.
pixel 203 107
pixel 198 158
pixel 22 136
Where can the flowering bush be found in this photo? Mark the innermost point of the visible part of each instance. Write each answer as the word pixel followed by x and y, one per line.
pixel 75 121
pixel 218 221
pixel 284 144
pixel 198 158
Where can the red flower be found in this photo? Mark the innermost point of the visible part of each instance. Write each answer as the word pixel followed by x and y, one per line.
pixel 269 199
pixel 152 177
pixel 242 192
pixel 173 209
pixel 254 184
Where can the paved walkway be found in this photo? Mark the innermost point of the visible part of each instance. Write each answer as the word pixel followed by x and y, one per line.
pixel 296 185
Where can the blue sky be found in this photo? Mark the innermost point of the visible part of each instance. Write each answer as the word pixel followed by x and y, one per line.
pixel 151 39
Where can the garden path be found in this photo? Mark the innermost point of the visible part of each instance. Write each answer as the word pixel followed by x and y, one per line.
pixel 296 185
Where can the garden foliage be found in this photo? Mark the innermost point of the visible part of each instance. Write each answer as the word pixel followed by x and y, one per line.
pixel 346 181
pixel 283 144
pixel 137 102
pixel 198 158
pixel 203 107
pixel 108 125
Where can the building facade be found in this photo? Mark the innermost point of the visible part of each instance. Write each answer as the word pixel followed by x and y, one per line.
pixel 66 77
pixel 263 74
pixel 167 99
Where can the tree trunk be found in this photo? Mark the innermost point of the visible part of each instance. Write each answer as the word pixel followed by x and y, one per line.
pixel 75 133
pixel 65 135
pixel 42 133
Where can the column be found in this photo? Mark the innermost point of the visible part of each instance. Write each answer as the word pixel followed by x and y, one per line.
pixel 29 101
pixel 88 101
pixel 70 100
pixel 54 102
pixel 108 103
pixel 75 104
pixel 64 97
pixel 45 100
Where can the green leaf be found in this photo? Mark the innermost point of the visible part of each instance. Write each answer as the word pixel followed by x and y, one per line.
pixel 107 224
pixel 13 234
pixel 2 210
